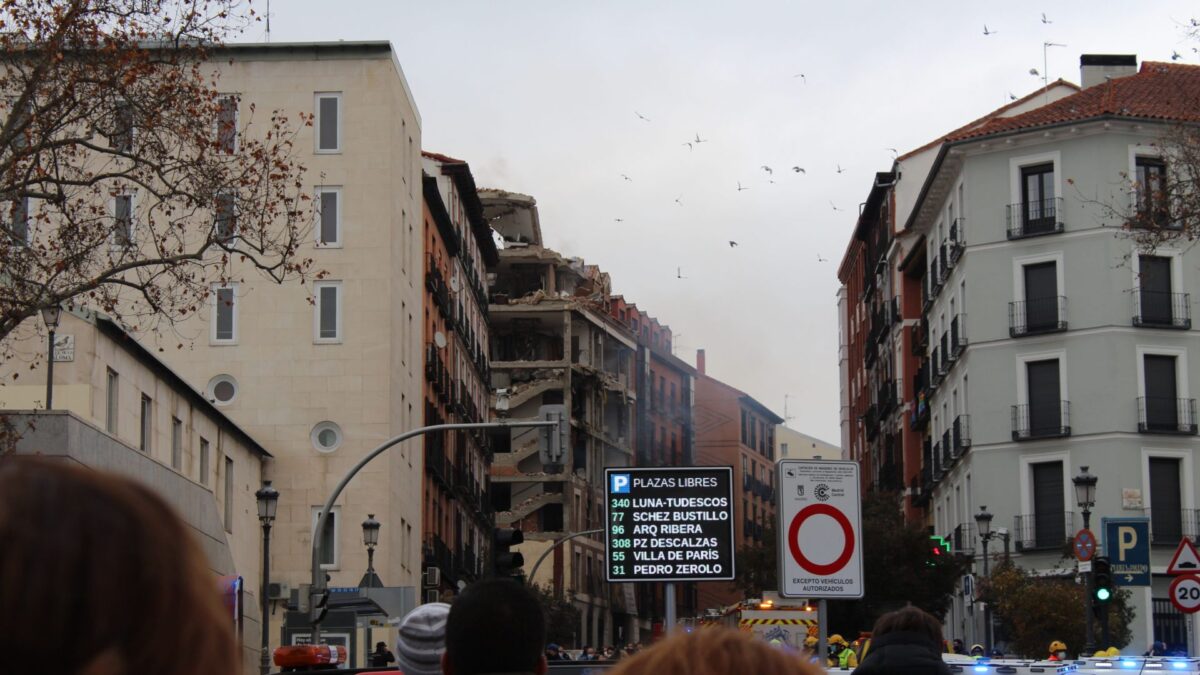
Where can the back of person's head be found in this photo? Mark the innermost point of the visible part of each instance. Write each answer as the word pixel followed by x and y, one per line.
pixel 495 626
pixel 100 576
pixel 714 651
pixel 910 620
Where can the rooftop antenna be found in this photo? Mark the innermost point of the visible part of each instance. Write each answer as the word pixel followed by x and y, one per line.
pixel 1045 68
pixel 786 416
pixel 268 20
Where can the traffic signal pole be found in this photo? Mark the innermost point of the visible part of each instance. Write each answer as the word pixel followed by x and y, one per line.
pixel 319 587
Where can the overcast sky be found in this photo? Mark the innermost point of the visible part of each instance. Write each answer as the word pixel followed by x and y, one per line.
pixel 542 98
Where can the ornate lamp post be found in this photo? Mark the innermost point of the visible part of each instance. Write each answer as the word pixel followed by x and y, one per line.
pixel 50 315
pixel 983 521
pixel 268 500
pixel 1085 498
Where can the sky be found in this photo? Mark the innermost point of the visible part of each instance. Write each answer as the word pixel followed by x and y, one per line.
pixel 548 97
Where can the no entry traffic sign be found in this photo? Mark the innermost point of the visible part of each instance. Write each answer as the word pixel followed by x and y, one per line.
pixel 820 552
pixel 1084 545
pixel 1185 593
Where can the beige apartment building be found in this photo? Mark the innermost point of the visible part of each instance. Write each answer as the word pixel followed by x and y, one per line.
pixel 323 372
pixel 792 444
pixel 118 408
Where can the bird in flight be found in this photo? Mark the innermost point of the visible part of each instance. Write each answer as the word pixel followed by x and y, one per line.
pixel 768 169
pixel 798 169
pixel 1034 72
pixel 820 259
pixel 627 178
pixel 840 169
pixel 641 116
pixel 677 200
pixel 1175 56
pixel 988 32
pixel 802 78
pixel 619 220
pixel 679 273
pixel 835 208
pixel 895 152
pixel 740 188
pixel 700 140
pixel 689 144
pixel 1044 19
pixel 732 244
pixel 1012 96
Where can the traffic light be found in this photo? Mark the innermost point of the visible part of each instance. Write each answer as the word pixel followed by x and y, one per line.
pixel 939 550
pixel 505 563
pixel 553 440
pixel 1102 581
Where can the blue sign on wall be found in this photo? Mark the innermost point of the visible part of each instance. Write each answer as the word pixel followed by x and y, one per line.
pixel 1127 545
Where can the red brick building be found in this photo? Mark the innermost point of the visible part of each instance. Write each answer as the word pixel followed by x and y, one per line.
pixel 457 517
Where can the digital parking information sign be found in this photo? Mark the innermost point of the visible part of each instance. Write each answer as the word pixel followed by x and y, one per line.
pixel 669 524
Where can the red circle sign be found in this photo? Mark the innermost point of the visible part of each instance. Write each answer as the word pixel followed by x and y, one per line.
pixel 1185 593
pixel 1085 545
pixel 847 532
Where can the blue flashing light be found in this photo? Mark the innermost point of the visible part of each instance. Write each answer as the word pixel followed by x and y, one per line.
pixel 981 669
pixel 1179 664
pixel 1128 664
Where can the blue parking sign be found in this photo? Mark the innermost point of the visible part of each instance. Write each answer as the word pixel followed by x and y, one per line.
pixel 1127 544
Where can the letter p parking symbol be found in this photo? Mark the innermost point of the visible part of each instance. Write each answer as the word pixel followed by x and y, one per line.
pixel 619 483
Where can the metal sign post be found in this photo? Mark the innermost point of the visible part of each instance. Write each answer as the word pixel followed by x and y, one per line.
pixel 822 630
pixel 669 599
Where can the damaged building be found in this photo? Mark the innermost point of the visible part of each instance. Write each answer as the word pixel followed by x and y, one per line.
pixel 553 341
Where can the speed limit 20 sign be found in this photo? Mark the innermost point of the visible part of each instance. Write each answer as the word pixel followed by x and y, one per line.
pixel 1185 593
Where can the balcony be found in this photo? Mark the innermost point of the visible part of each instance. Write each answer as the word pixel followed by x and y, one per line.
pixel 894 314
pixel 958 335
pixel 886 397
pixel 1048 421
pixel 947 357
pixel 1035 219
pixel 1168 527
pixel 957 242
pixel 937 275
pixel 1037 316
pixel 948 455
pixel 961 434
pixel 926 294
pixel 1043 531
pixel 947 263
pixel 1166 415
pixel 918 337
pixel 926 483
pixel 1156 309
pixel 939 467
pixel 935 368
pixel 963 539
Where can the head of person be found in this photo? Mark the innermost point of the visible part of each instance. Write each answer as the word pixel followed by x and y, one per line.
pixel 1058 649
pixel 495 626
pixel 976 650
pixel 103 564
pixel 916 624
pixel 421 639
pixel 717 651
pixel 380 646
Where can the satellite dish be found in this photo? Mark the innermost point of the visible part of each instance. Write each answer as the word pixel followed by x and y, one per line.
pixel 439 339
pixel 454 283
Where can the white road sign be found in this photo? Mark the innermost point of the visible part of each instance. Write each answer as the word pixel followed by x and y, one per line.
pixel 820 529
pixel 1185 593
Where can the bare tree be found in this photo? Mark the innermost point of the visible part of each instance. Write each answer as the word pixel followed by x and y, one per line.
pixel 128 183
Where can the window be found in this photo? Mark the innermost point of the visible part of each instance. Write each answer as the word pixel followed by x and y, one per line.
pixel 1156 306
pixel 1049 517
pixel 176 444
pixel 1038 213
pixel 329 122
pixel 1042 310
pixel 1152 205
pixel 204 452
pixel 229 494
pixel 1045 404
pixel 224 314
pixel 329 205
pixel 1166 506
pixel 147 426
pixel 18 221
pixel 225 218
pixel 222 389
pixel 110 402
pixel 328 315
pixel 1164 408
pixel 328 551
pixel 122 129
pixel 227 119
pixel 326 436
pixel 123 220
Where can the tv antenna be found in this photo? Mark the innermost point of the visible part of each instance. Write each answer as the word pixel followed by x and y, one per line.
pixel 1045 67
pixel 786 416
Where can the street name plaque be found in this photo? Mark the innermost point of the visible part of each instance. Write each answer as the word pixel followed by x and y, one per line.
pixel 669 524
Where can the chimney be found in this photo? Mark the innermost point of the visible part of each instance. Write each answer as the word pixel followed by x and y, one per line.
pixel 1099 68
pixel 700 361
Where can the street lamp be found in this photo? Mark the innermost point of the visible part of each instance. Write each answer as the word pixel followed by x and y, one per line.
pixel 983 521
pixel 268 500
pixel 370 528
pixel 1085 498
pixel 50 315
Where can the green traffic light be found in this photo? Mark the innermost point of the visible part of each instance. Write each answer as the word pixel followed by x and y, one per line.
pixel 1103 594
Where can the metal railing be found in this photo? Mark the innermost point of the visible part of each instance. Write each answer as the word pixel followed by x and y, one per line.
pixel 1037 316
pixel 958 334
pixel 1157 309
pixel 957 242
pixel 1051 421
pixel 1043 531
pixel 961 430
pixel 1158 415
pixel 1035 218
pixel 963 539
pixel 1168 527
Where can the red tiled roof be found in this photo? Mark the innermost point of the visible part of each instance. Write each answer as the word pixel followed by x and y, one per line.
pixel 1159 91
pixel 441 158
pixel 973 124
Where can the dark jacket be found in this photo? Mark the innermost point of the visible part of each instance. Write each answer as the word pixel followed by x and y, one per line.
pixel 903 654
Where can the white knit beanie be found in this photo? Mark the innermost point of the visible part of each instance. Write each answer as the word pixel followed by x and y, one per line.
pixel 423 639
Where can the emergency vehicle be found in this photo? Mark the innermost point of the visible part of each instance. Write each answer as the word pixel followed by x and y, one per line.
pixel 771 619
